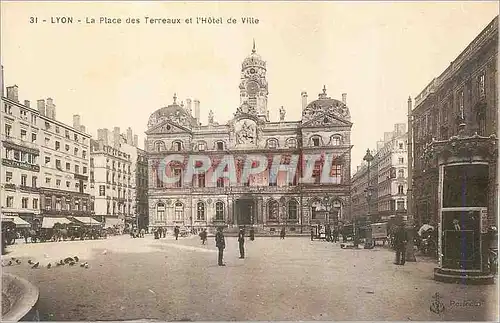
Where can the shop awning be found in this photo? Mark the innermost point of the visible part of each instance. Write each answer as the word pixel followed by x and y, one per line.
pixel 48 223
pixel 20 223
pixel 86 220
pixel 110 222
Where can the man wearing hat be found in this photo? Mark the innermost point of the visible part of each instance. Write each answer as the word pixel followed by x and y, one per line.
pixel 241 242
pixel 220 243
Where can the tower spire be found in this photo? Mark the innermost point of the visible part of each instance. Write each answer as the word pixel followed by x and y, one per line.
pixel 175 98
pixel 253 49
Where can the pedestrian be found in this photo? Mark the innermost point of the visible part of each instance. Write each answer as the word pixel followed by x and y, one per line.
pixel 156 233
pixel 164 231
pixel 203 236
pixel 335 233
pixel 328 233
pixel 252 234
pixel 312 234
pixel 282 233
pixel 220 243
pixel 176 232
pixel 400 240
pixel 143 232
pixel 241 242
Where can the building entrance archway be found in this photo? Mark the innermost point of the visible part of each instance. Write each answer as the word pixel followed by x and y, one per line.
pixel 245 211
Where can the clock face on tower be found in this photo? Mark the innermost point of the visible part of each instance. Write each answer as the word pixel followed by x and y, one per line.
pixel 252 88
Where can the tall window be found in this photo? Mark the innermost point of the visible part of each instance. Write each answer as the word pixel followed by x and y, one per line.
pixel 400 205
pixel 24 202
pixel 160 212
pixel 8 130
pixel 317 172
pixel 461 104
pixel 220 145
pixel 481 85
pixel 200 211
pixel 219 211
pixel 48 203
pixel 177 146
pixel 10 201
pixel 292 143
pixel 336 140
pixel 220 182
pixel 201 180
pixel 336 173
pixel 315 142
pixel 401 173
pixel 400 189
pixel 35 204
pixel 401 160
pixel 272 210
pixel 177 174
pixel 292 210
pixel 179 211
pixel 24 180
pixel 202 146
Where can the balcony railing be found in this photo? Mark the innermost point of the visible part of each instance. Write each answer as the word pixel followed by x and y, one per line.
pixel 29 188
pixel 10 186
pixel 20 165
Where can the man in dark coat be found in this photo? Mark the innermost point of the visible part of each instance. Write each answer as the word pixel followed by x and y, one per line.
pixel 203 236
pixel 220 243
pixel 282 233
pixel 400 240
pixel 176 233
pixel 252 234
pixel 241 242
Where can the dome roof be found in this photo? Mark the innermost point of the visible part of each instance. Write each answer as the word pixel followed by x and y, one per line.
pixel 325 104
pixel 253 59
pixel 175 113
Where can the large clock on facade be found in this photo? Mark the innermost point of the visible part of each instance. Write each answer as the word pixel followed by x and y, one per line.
pixel 252 88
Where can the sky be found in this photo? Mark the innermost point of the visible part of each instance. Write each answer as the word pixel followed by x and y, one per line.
pixel 379 53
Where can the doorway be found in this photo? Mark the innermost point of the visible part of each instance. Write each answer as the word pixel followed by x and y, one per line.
pixel 245 211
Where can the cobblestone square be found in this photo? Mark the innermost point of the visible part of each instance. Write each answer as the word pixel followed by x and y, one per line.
pixel 290 279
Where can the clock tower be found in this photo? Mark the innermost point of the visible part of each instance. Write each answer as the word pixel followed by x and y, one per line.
pixel 253 85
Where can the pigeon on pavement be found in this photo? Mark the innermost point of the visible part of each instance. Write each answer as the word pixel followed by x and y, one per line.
pixel 30 262
pixel 76 258
pixel 36 265
pixel 49 265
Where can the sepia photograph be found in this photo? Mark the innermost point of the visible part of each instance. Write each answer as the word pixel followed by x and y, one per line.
pixel 249 161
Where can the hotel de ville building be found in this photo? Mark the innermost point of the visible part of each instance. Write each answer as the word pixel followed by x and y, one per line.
pixel 267 205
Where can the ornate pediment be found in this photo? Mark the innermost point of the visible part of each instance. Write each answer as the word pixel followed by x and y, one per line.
pixel 167 127
pixel 326 106
pixel 326 120
pixel 245 110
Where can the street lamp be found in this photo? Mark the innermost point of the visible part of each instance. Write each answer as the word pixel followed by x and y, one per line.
pixel 326 202
pixel 368 158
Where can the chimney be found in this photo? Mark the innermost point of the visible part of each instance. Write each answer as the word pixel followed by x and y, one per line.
pixel 27 103
pixel 1 80
pixel 116 137
pixel 136 140
pixel 83 129
pixel 197 110
pixel 344 98
pixel 50 109
pixel 13 93
pixel 388 136
pixel 102 135
pixel 41 106
pixel 304 99
pixel 76 121
pixel 129 136
pixel 380 145
pixel 188 107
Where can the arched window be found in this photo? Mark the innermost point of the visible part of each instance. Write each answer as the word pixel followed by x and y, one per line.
pixel 272 210
pixel 179 211
pixel 401 173
pixel 202 146
pixel 272 144
pixel 219 211
pixel 316 208
pixel 200 211
pixel 159 146
pixel 177 146
pixel 292 143
pixel 160 212
pixel 336 140
pixel 292 210
pixel 315 141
